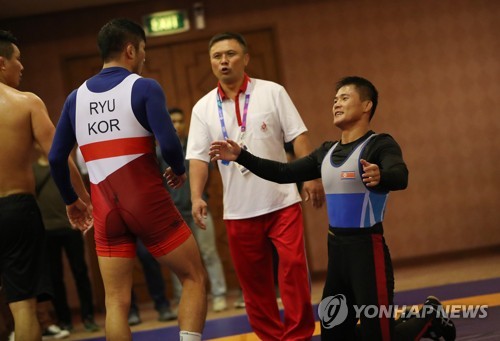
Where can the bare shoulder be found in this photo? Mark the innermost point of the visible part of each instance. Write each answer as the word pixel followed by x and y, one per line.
pixel 19 100
pixel 30 99
pixel 16 139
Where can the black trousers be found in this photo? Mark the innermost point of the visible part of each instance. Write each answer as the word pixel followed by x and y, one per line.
pixel 71 241
pixel 359 273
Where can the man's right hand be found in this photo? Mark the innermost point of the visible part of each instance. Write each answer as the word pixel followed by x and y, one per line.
pixel 199 211
pixel 80 215
pixel 224 150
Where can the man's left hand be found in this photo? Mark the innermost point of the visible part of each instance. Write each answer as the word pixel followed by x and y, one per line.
pixel 371 173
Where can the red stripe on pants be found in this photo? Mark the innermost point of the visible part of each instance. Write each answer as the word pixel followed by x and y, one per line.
pixel 383 297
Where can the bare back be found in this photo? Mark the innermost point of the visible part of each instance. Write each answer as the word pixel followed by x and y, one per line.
pixel 23 121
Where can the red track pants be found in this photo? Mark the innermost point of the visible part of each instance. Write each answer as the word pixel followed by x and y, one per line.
pixel 250 245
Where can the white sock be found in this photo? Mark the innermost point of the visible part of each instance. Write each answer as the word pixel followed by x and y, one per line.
pixel 189 336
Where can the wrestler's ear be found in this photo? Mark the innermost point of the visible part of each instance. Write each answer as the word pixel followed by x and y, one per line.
pixel 367 106
pixel 130 51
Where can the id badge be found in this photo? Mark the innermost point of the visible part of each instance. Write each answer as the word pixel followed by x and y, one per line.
pixel 243 170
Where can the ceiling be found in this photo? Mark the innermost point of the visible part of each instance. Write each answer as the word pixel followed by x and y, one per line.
pixel 22 8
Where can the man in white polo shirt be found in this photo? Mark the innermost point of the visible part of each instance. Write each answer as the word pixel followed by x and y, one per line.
pixel 257 213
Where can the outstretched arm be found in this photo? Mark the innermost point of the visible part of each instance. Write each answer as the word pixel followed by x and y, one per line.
pixel 312 189
pixel 303 169
pixel 384 165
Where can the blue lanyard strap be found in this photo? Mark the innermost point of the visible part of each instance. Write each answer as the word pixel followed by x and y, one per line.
pixel 245 110
pixel 243 127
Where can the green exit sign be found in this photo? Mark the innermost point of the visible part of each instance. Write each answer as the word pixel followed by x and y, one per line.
pixel 168 22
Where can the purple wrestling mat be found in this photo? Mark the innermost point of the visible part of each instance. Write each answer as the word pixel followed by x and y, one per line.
pixel 467 329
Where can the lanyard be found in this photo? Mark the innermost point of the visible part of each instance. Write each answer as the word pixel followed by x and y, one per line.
pixel 243 127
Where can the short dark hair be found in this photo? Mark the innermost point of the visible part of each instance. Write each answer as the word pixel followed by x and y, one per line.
pixel 365 88
pixel 229 36
pixel 175 110
pixel 6 41
pixel 116 34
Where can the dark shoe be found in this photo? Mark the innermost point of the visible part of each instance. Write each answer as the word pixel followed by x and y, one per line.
pixel 442 325
pixel 90 325
pixel 66 326
pixel 133 318
pixel 166 314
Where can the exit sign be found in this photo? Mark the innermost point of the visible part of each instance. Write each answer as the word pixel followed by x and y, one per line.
pixel 168 22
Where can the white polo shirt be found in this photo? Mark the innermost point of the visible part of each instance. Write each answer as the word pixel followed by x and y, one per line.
pixel 272 119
